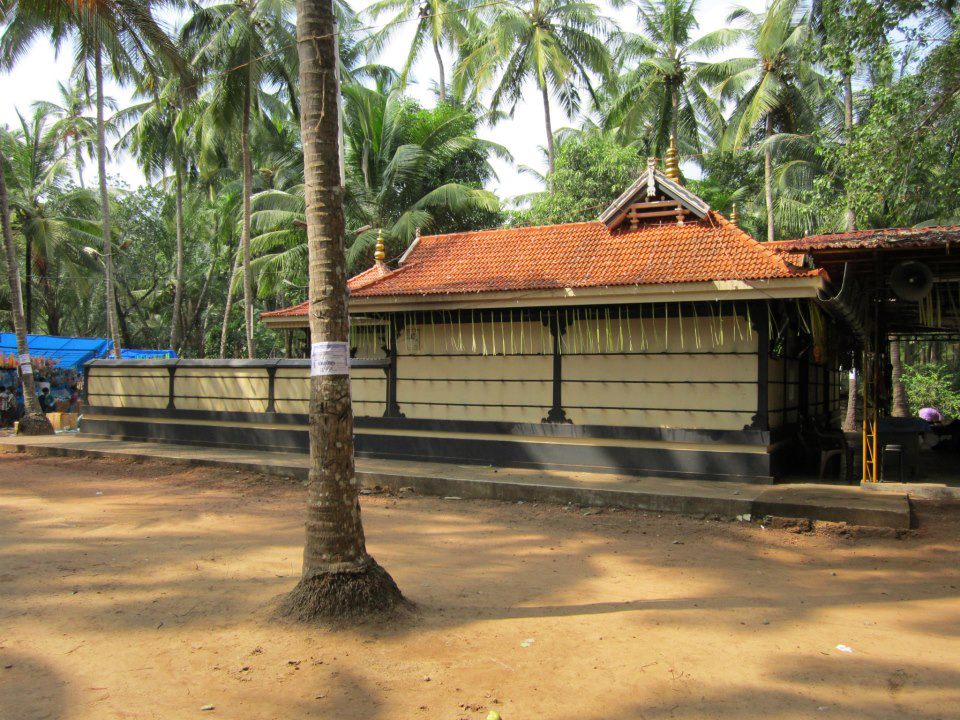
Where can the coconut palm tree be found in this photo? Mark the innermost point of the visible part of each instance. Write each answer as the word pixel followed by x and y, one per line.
pixel 438 22
pixel 240 46
pixel 776 88
pixel 558 44
pixel 156 137
pixel 53 219
pixel 126 34
pixel 339 576
pixel 76 130
pixel 407 168
pixel 662 92
pixel 34 421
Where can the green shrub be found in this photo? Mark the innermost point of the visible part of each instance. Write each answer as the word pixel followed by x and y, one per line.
pixel 933 385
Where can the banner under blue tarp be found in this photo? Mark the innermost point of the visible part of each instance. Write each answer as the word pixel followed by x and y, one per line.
pixel 134 354
pixel 71 353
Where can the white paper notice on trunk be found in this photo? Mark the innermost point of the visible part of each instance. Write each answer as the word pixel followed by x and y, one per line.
pixel 330 358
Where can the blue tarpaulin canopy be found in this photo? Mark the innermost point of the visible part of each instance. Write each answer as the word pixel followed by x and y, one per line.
pixel 71 353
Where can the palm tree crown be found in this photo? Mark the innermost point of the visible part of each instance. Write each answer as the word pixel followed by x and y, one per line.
pixel 559 44
pixel 776 88
pixel 661 95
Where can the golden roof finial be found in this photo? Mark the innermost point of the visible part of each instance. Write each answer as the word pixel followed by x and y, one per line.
pixel 734 216
pixel 671 161
pixel 380 252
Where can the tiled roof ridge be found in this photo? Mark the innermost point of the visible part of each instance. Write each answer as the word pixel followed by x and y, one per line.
pixel 507 228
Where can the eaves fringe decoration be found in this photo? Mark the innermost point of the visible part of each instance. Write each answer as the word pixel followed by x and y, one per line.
pixel 673 328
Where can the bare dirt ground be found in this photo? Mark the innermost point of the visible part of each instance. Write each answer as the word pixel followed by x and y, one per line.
pixel 144 591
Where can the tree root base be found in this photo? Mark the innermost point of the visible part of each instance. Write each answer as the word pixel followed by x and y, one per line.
pixel 339 596
pixel 35 425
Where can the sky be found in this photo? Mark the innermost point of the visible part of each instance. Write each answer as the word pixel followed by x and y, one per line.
pixel 35 78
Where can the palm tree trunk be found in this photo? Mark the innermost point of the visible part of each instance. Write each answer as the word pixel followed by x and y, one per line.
pixel 28 277
pixel 79 161
pixel 675 110
pixel 339 578
pixel 200 313
pixel 105 210
pixel 848 127
pixel 768 179
pixel 443 81
pixel 546 120
pixel 229 306
pixel 51 310
pixel 34 422
pixel 245 231
pixel 900 407
pixel 176 324
pixel 851 421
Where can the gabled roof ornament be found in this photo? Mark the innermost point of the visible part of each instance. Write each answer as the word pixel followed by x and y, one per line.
pixel 734 216
pixel 380 251
pixel 672 161
pixel 656 193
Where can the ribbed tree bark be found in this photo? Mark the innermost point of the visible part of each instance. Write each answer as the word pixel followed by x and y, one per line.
pixel 340 579
pixel 112 330
pixel 79 161
pixel 245 231
pixel 176 324
pixel 848 128
pixel 853 417
pixel 899 406
pixel 546 120
pixel 34 421
pixel 442 77
pixel 768 179
pixel 674 114
pixel 28 277
pixel 229 305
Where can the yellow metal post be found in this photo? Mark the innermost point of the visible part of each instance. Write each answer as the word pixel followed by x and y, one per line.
pixel 871 459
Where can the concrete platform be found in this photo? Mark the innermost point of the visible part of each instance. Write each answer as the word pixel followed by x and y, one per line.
pixel 918 490
pixel 692 497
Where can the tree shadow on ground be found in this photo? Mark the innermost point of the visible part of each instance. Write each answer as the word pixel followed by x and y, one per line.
pixel 156 550
pixel 198 554
pixel 837 687
pixel 30 689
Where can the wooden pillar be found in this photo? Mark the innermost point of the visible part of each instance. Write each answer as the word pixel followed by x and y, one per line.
pixel 827 389
pixel 392 408
pixel 758 315
pixel 86 384
pixel 558 326
pixel 272 389
pixel 171 391
pixel 803 391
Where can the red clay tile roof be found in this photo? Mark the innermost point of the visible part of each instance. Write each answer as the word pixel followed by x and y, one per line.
pixel 575 255
pixel 869 239
pixel 295 311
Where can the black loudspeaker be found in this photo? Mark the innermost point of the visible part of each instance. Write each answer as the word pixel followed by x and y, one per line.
pixel 911 281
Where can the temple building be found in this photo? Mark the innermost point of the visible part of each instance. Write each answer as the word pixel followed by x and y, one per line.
pixel 659 339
